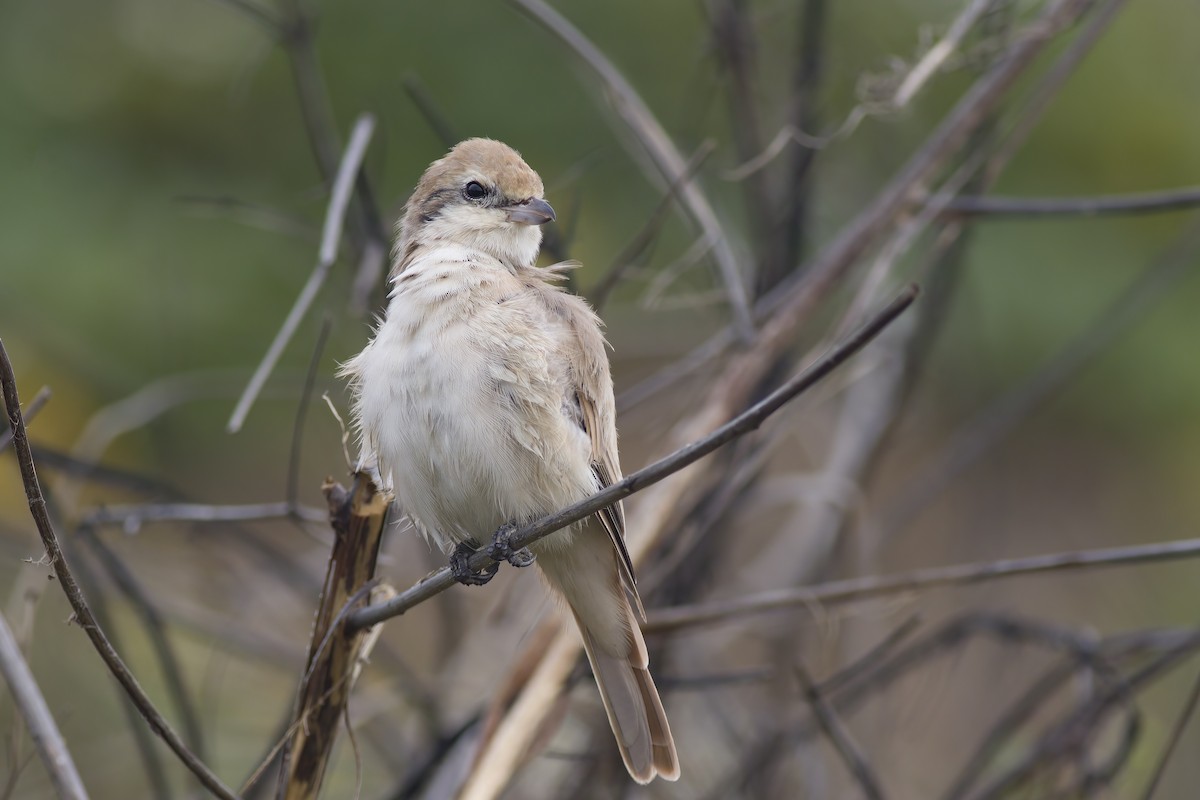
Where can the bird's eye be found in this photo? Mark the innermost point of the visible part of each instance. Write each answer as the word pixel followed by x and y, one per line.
pixel 474 191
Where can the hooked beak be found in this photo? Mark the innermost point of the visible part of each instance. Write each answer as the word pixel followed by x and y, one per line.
pixel 530 212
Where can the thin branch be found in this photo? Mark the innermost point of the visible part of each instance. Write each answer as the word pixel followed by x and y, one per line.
pixel 733 37
pixel 331 234
pixel 1103 12
pixel 32 707
pixel 806 82
pixel 262 16
pixel 1088 717
pixel 1083 648
pixel 312 93
pixel 1054 207
pixel 87 470
pixel 854 589
pixel 662 151
pixel 156 631
pixel 35 405
pixel 744 423
pixel 83 614
pixel 314 363
pixel 434 115
pixel 789 301
pixel 1034 699
pixel 367 234
pixel 839 737
pixel 913 81
pixel 1181 722
pixel 870 659
pixel 798 293
pixel 937 55
pixel 252 215
pixel 1002 416
pixel 645 237
pixel 154 768
pixel 133 517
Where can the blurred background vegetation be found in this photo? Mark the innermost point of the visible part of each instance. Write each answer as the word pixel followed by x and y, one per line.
pixel 128 128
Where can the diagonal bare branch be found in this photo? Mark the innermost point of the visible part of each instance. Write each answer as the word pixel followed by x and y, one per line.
pixel 644 238
pixel 839 737
pixel 35 405
pixel 83 613
pixel 1181 722
pixel 662 151
pixel 32 707
pixel 331 234
pixel 790 301
pixel 742 424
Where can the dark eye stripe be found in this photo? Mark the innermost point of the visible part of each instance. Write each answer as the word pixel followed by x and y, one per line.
pixel 434 203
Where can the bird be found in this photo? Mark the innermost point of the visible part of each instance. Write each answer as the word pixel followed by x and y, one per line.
pixel 484 401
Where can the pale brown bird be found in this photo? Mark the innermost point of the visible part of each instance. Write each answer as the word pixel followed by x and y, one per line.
pixel 485 401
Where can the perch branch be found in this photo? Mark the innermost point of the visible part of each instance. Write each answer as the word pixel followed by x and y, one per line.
pixel 745 422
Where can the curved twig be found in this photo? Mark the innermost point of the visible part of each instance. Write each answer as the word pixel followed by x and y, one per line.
pixel 83 613
pixel 662 151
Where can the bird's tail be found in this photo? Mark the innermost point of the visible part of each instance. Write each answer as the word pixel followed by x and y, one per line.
pixel 585 574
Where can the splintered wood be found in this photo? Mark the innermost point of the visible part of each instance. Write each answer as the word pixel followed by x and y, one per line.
pixel 358 517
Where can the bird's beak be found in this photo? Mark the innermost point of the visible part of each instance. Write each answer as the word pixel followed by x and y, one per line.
pixel 530 212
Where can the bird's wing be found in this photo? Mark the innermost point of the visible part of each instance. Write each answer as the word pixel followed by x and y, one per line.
pixel 597 417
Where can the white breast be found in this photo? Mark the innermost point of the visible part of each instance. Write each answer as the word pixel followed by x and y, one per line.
pixel 461 396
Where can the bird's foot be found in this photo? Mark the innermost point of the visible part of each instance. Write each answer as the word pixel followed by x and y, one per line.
pixel 461 570
pixel 501 547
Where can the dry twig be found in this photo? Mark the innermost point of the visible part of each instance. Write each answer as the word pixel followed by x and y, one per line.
pixel 839 737
pixel 331 234
pixel 853 589
pixel 358 517
pixel 662 151
pixel 83 614
pixel 42 729
pixel 35 405
pixel 994 207
pixel 1181 723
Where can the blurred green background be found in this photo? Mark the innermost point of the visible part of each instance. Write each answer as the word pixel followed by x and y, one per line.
pixel 121 121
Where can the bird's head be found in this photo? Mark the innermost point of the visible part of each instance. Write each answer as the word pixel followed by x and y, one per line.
pixel 482 195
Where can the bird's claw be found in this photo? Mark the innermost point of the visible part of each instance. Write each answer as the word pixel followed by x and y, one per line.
pixel 501 547
pixel 461 570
